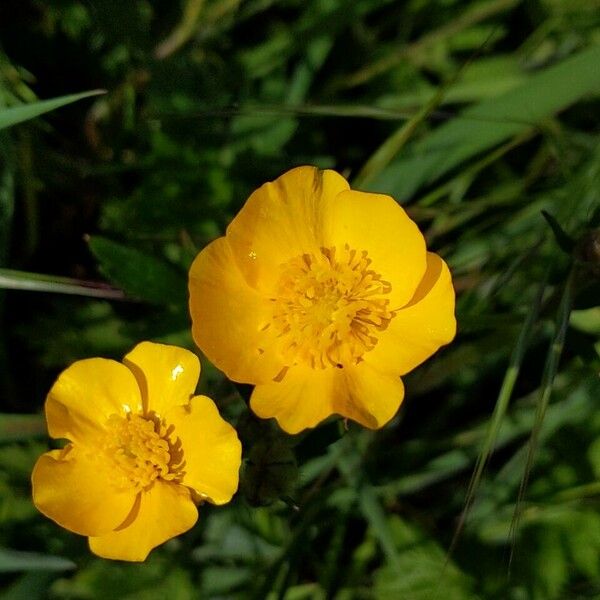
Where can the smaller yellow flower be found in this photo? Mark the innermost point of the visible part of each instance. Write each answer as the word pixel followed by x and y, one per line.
pixel 143 451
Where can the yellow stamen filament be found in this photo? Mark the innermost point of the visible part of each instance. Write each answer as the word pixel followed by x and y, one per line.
pixel 329 308
pixel 140 451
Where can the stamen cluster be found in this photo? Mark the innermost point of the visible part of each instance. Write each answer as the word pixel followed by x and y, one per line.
pixel 140 451
pixel 329 307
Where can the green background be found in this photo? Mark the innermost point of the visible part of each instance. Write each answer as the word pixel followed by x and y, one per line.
pixel 476 117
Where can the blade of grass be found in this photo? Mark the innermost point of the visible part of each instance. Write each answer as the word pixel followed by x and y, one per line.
pixel 17 114
pixel 12 561
pixel 36 282
pixel 470 17
pixel 506 116
pixel 504 396
pixel 550 370
pixel 392 146
pixel 183 32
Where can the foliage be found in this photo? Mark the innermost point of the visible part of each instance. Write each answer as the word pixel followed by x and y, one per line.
pixel 477 116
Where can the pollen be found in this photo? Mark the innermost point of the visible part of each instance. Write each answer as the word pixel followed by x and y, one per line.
pixel 140 450
pixel 330 307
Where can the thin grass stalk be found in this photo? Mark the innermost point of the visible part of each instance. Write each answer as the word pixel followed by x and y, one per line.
pixel 550 370
pixel 504 396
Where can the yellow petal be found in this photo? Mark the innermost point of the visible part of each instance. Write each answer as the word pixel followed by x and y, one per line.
pixel 305 397
pixel 71 488
pixel 379 225
pixel 86 394
pixel 282 219
pixel 371 398
pixel 164 511
pixel 211 449
pixel 302 399
pixel 167 375
pixel 228 317
pixel 425 324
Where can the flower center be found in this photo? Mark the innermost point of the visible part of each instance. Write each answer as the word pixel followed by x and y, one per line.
pixel 140 451
pixel 329 307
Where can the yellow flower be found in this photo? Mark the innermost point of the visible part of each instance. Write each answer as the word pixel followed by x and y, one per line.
pixel 143 451
pixel 322 297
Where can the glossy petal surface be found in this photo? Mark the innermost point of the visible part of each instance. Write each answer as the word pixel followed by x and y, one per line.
pixel 141 450
pixel 228 317
pixel 420 328
pixel 211 449
pixel 372 398
pixel 280 220
pixel 167 375
pixel 302 399
pixel 378 224
pixel 86 394
pixel 320 296
pixel 162 512
pixel 72 488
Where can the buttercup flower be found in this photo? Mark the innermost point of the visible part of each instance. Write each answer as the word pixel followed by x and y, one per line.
pixel 143 451
pixel 322 297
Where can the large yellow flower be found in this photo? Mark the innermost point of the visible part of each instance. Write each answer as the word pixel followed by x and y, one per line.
pixel 322 297
pixel 143 451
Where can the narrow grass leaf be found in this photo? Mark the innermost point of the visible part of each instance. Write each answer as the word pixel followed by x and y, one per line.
pixel 14 561
pixel 500 408
pixel 37 282
pixel 17 114
pixel 550 370
pixel 489 123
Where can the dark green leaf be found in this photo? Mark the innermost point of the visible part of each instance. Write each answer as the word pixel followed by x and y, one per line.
pixel 141 275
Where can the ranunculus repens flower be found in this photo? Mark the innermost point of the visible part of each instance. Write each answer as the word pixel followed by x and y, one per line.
pixel 143 451
pixel 322 297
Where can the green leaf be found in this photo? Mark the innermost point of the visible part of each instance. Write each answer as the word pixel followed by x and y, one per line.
pixel 141 275
pixel 21 427
pixel 422 570
pixel 489 123
pixel 12 560
pixel 18 114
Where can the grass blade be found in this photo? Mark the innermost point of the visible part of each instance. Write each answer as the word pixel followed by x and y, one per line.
pixel 392 146
pixel 504 396
pixel 36 282
pixel 18 114
pixel 489 123
pixel 12 561
pixel 550 370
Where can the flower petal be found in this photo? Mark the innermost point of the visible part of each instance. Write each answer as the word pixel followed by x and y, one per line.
pixel 280 220
pixel 228 317
pixel 211 449
pixel 302 399
pixel 164 511
pixel 372 398
pixel 305 397
pixel 167 375
pixel 70 489
pixel 378 224
pixel 86 394
pixel 425 324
